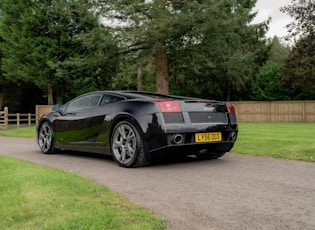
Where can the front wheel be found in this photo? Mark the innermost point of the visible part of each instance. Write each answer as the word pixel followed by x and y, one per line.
pixel 46 139
pixel 127 146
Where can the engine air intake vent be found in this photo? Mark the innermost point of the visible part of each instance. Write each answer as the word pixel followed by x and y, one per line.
pixel 204 117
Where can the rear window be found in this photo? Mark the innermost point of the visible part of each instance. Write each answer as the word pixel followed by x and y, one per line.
pixel 108 99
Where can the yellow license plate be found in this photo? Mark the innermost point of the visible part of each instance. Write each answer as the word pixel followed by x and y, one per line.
pixel 208 137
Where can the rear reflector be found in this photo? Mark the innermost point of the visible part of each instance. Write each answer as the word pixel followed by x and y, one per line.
pixel 168 106
pixel 230 108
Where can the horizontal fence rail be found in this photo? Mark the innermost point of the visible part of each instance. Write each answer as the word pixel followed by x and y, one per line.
pixel 275 111
pixel 19 119
pixel 16 120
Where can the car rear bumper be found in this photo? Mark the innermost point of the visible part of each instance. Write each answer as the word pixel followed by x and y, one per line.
pixel 191 149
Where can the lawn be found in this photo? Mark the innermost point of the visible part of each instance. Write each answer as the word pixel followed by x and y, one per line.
pixel 29 132
pixel 283 140
pixel 37 197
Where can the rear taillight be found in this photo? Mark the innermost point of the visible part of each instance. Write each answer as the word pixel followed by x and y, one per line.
pixel 230 108
pixel 169 106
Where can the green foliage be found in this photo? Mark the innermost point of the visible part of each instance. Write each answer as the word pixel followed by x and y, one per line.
pixel 211 48
pixel 35 197
pixel 203 48
pixel 299 73
pixel 266 87
pixel 228 54
pixel 59 45
pixel 303 25
pixel 278 51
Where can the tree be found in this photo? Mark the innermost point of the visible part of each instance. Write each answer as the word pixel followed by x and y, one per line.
pixel 57 44
pixel 299 73
pixel 199 46
pixel 266 86
pixel 5 85
pixel 278 51
pixel 302 11
pixel 228 54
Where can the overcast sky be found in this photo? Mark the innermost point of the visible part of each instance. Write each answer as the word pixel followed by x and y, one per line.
pixel 279 20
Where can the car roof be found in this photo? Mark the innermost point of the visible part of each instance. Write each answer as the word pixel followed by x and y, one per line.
pixel 142 95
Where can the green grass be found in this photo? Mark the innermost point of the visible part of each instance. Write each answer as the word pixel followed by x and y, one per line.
pixel 283 140
pixel 37 197
pixel 29 132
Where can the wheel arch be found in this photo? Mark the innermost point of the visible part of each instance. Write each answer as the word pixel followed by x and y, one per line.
pixel 125 117
pixel 130 118
pixel 40 123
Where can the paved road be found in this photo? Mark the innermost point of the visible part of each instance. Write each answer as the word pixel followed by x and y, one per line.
pixel 234 192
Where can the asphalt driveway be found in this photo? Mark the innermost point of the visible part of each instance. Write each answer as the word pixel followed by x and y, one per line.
pixel 234 192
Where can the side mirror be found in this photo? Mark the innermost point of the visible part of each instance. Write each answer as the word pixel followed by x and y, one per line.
pixel 58 109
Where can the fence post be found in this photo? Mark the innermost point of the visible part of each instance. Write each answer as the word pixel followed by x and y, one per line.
pixel 17 120
pixel 303 112
pixel 6 117
pixel 29 120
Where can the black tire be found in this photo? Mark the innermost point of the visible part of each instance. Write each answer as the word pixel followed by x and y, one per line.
pixel 46 139
pixel 206 154
pixel 127 146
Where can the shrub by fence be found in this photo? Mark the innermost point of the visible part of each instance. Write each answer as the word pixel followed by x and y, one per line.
pixel 276 111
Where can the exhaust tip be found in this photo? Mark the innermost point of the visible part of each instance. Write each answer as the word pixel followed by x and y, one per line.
pixel 177 139
pixel 233 136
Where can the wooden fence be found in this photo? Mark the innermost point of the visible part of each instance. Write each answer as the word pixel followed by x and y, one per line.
pixel 277 111
pixel 15 120
pixel 19 119
pixel 246 111
pixel 4 118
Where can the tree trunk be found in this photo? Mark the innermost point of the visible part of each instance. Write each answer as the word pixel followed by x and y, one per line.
pixel 228 94
pixel 140 76
pixel 161 75
pixel 50 96
pixel 1 99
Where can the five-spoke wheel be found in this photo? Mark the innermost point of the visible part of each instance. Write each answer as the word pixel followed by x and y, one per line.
pixel 46 138
pixel 127 145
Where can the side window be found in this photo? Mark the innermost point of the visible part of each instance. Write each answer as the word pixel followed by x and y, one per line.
pixel 83 103
pixel 107 99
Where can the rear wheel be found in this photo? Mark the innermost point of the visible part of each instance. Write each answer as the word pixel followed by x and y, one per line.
pixel 206 154
pixel 127 146
pixel 46 139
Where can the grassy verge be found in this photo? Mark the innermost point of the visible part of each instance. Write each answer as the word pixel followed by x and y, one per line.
pixel 29 132
pixel 284 140
pixel 36 197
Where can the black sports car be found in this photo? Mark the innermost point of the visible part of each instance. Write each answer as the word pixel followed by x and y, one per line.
pixel 136 127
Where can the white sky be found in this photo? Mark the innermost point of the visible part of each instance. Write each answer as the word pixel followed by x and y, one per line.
pixel 279 20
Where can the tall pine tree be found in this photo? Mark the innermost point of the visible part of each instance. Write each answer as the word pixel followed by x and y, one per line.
pixel 204 47
pixel 299 74
pixel 57 44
